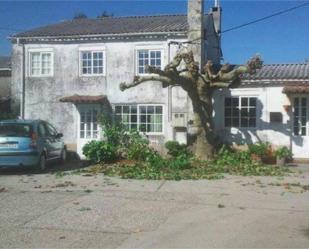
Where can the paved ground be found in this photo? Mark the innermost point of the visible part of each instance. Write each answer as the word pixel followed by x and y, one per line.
pixel 84 211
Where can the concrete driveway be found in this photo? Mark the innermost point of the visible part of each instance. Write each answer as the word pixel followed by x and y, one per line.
pixel 50 210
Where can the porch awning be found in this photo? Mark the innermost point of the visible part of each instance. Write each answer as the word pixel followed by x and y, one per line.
pixel 85 99
pixel 296 89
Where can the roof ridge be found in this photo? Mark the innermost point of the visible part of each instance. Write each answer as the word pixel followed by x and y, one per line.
pixel 286 64
pixel 137 16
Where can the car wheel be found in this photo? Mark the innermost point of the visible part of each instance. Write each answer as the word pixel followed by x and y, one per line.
pixel 42 162
pixel 63 157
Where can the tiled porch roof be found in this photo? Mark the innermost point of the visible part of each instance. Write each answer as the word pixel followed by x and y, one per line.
pixel 85 99
pixel 296 89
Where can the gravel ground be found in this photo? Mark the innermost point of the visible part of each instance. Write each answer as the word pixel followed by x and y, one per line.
pixel 56 210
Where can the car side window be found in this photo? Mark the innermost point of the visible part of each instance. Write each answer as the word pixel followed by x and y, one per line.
pixel 42 130
pixel 51 131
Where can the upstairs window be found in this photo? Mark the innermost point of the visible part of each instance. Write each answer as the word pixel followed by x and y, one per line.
pixel 41 63
pixel 92 63
pixel 148 57
pixel 240 112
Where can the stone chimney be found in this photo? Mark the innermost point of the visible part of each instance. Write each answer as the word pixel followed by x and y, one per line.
pixel 216 13
pixel 196 29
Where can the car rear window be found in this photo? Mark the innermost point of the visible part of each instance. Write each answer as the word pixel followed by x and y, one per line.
pixel 15 130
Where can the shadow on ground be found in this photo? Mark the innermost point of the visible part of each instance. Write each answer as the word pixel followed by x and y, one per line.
pixel 52 167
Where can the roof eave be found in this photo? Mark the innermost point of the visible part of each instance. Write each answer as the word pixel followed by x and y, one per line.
pixel 180 33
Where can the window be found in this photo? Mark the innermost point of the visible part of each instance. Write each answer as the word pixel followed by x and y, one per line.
pixel 15 130
pixel 144 118
pixel 300 116
pixel 89 128
pixel 148 57
pixel 41 63
pixel 240 112
pixel 50 130
pixel 92 63
pixel 42 130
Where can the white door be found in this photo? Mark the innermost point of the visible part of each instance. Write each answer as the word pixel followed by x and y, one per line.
pixel 300 130
pixel 88 127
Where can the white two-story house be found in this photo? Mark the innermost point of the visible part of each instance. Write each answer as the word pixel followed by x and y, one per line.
pixel 68 72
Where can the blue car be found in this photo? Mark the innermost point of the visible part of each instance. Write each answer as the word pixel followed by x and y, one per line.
pixel 29 143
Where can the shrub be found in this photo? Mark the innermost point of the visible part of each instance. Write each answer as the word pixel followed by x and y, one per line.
pixel 283 152
pixel 227 156
pixel 259 149
pixel 180 163
pixel 176 149
pixel 99 151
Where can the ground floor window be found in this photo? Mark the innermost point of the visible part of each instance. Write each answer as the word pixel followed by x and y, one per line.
pixel 240 111
pixel 300 116
pixel 89 123
pixel 144 118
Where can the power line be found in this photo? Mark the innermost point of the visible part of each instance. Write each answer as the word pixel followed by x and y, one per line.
pixel 224 31
pixel 264 18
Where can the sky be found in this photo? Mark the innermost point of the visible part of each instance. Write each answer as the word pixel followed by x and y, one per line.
pixel 281 39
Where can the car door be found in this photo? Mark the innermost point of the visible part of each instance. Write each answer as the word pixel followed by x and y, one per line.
pixel 53 142
pixel 44 139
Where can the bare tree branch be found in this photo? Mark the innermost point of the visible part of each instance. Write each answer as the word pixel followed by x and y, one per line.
pixel 138 80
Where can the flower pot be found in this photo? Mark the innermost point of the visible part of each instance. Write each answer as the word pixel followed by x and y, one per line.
pixel 281 161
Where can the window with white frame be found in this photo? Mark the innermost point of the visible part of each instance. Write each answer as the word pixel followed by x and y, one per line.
pixel 301 117
pixel 89 128
pixel 148 57
pixel 92 62
pixel 240 112
pixel 144 118
pixel 41 63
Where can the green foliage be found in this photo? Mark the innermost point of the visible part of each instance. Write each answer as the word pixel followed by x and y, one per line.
pixel 180 163
pixel 148 164
pixel 228 156
pixel 259 149
pixel 100 151
pixel 283 152
pixel 176 149
pixel 119 143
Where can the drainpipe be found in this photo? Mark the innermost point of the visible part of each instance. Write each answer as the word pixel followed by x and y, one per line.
pixel 22 97
pixel 169 87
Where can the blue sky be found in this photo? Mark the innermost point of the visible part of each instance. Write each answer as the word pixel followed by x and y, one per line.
pixel 282 39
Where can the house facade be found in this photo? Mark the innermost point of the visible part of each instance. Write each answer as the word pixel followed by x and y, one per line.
pixel 69 72
pixel 270 106
pixel 5 84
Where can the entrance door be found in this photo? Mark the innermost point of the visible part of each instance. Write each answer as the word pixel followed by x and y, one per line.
pixel 300 138
pixel 88 126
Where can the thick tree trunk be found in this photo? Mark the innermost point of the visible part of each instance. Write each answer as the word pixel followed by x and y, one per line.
pixel 203 144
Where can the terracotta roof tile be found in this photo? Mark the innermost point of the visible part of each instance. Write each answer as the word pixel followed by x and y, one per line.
pixel 85 99
pixel 111 25
pixel 296 89
pixel 279 72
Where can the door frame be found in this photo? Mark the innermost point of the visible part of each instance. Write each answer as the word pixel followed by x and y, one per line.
pixel 82 141
pixel 303 140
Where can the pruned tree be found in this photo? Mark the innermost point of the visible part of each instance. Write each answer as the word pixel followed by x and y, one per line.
pixel 199 87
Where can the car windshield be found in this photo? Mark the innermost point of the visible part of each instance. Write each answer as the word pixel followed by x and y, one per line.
pixel 15 130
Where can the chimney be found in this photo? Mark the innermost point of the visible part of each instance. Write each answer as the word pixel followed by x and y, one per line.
pixel 216 13
pixel 196 29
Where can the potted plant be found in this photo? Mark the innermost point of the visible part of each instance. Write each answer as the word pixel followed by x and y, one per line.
pixel 283 154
